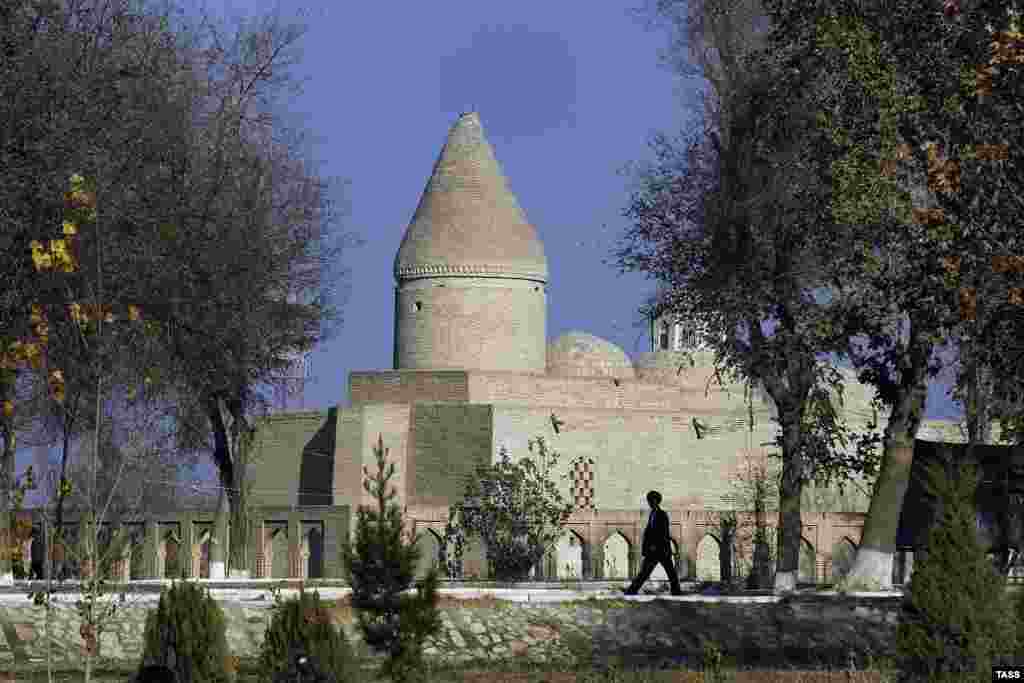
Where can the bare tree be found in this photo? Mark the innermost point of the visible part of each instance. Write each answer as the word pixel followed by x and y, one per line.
pixel 248 231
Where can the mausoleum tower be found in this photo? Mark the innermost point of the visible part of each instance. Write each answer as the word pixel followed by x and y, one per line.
pixel 471 275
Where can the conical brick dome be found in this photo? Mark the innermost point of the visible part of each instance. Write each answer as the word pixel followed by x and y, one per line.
pixel 468 222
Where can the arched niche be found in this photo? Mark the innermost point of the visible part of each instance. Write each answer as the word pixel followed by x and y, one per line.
pixel 429 545
pixel 807 571
pixel 172 555
pixel 137 557
pixel 205 540
pixel 279 553
pixel 569 556
pixel 708 551
pixel 616 557
pixel 314 542
pixel 843 552
pixel 474 559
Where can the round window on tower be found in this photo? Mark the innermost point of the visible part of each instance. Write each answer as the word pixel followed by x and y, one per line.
pixel 419 305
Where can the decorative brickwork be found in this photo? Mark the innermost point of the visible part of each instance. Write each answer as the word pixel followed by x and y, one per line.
pixel 406 386
pixel 471 271
pixel 468 220
pixel 470 323
pixel 582 491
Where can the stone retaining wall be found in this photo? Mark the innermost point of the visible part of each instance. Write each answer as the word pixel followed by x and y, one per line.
pixel 641 630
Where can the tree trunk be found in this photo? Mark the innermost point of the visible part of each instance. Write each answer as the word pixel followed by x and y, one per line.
pixel 238 539
pixel 761 571
pixel 728 532
pixel 232 437
pixel 873 562
pixel 7 523
pixel 790 520
pixel 218 544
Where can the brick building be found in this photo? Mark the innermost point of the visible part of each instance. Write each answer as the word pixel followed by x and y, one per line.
pixel 474 372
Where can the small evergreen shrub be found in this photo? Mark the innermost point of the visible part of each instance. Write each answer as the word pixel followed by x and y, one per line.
pixel 187 634
pixel 380 566
pixel 301 628
pixel 955 620
pixel 1018 608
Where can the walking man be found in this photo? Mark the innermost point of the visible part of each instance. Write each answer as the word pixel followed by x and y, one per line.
pixel 657 548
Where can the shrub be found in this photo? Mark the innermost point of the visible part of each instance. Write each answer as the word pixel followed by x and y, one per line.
pixel 301 627
pixel 187 634
pixel 380 568
pixel 1018 608
pixel 515 508
pixel 955 619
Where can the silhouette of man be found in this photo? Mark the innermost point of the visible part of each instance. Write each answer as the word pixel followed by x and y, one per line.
pixel 657 548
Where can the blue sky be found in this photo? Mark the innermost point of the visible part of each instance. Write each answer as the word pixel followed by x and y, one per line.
pixel 566 98
pixel 568 93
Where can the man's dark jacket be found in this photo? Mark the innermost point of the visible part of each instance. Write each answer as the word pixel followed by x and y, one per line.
pixel 656 539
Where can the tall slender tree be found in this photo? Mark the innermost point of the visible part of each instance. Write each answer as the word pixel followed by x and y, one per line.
pixel 738 244
pixel 901 112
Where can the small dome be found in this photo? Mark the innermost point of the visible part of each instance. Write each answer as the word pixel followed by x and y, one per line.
pixel 673 367
pixel 578 354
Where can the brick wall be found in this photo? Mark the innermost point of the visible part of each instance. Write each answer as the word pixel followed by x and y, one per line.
pixel 604 393
pixel 473 323
pixel 348 456
pixel 406 386
pixel 450 441
pixel 274 463
pixel 391 421
pixel 634 453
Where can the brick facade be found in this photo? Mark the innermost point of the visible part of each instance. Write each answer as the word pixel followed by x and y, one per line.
pixel 470 323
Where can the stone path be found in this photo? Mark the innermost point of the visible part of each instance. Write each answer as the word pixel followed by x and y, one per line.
pixel 563 634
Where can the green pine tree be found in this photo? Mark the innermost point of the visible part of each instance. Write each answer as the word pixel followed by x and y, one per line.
pixel 956 618
pixel 380 567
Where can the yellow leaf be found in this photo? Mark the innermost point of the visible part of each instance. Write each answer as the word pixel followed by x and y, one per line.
pixel 8 408
pixel 37 315
pixel 133 312
pixel 992 152
pixel 57 385
pixel 40 258
pixel 1008 264
pixel 62 258
pixel 968 303
pixel 76 313
pixel 70 228
pixel 928 216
